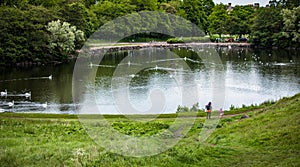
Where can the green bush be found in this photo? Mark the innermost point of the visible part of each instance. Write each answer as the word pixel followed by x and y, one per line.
pixel 174 40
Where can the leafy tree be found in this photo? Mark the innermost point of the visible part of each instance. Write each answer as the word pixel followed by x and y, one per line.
pixel 291 20
pixel 23 33
pixel 45 3
pixel 197 12
pixel 240 20
pixel 233 25
pixel 293 3
pixel 108 10
pixel 267 26
pixel 63 37
pixel 141 5
pixel 14 3
pixel 78 15
pixel 217 20
pixel 89 3
pixel 285 3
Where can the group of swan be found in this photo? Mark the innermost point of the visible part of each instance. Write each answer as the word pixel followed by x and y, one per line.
pixel 28 94
pixel 11 104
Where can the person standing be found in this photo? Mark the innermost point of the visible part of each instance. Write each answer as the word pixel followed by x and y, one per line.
pixel 221 113
pixel 208 110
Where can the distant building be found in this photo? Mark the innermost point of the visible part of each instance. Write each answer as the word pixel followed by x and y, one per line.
pixel 229 8
pixel 255 6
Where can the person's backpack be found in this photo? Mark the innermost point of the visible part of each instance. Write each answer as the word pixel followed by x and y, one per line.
pixel 207 107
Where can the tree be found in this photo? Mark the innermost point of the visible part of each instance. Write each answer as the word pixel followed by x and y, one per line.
pixel 197 12
pixel 78 15
pixel 267 27
pixel 285 3
pixel 63 37
pixel 141 5
pixel 242 16
pixel 291 20
pixel 109 10
pixel 217 20
pixel 23 34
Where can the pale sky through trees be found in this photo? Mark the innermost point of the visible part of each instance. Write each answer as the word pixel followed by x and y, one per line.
pixel 242 2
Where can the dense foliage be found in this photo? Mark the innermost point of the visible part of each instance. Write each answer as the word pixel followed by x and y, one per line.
pixel 25 37
pixel 274 26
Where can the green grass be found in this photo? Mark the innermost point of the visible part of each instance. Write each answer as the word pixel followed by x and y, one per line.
pixel 270 137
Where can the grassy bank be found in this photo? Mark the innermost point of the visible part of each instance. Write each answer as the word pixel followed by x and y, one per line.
pixel 270 137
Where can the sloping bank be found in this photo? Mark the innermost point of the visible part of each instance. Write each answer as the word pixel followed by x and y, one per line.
pixel 270 137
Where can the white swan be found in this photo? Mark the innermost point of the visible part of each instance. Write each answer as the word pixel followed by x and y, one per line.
pixel 10 104
pixel 45 105
pixel 4 93
pixel 50 77
pixel 27 94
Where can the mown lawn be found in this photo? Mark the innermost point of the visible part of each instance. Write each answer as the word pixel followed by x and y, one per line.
pixel 270 137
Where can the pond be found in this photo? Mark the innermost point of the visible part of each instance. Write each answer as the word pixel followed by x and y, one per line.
pixel 151 81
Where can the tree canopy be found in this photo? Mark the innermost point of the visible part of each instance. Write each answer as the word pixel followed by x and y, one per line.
pixel 25 35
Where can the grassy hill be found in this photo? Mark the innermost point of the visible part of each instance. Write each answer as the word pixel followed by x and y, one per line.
pixel 270 137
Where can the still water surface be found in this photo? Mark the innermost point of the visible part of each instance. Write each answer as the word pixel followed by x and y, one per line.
pixel 249 77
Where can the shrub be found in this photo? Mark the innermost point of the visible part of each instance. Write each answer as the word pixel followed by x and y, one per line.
pixel 174 40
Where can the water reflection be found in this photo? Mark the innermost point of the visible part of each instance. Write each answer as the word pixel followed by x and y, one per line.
pixel 251 77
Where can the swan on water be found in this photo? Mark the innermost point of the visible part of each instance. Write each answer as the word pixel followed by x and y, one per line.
pixel 10 104
pixel 4 93
pixel 27 94
pixel 45 105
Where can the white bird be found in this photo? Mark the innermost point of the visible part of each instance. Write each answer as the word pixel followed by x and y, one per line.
pixel 229 46
pixel 28 94
pixel 132 75
pixel 10 104
pixel 156 67
pixel 4 93
pixel 91 64
pixel 128 63
pixel 50 77
pixel 45 105
pixel 184 58
pixel 2 110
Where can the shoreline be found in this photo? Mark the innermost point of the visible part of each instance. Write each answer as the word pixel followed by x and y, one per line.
pixel 134 46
